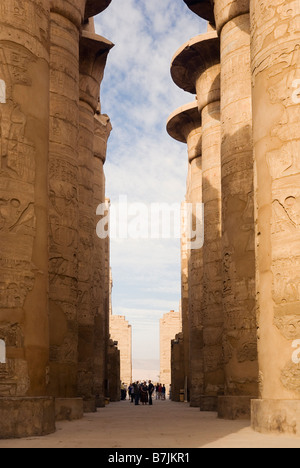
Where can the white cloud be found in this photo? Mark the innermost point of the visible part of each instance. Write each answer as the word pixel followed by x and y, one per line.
pixel 143 161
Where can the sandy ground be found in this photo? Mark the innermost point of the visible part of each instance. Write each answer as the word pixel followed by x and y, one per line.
pixel 165 425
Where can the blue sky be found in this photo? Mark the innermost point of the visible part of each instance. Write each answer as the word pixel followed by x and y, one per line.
pixel 143 162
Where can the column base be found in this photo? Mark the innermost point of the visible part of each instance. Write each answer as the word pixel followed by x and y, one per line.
pixel 26 417
pixel 89 405
pixel 100 402
pixel 68 409
pixel 276 416
pixel 195 403
pixel 234 407
pixel 209 403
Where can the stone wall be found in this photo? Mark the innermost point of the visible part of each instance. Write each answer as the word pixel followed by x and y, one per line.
pixel 170 326
pixel 121 332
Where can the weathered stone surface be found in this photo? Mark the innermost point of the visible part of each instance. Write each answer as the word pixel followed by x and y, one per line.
pixel 26 417
pixel 41 196
pixel 102 129
pixel 179 371
pixel 209 403
pixel 198 64
pixel 278 416
pixel 63 194
pixel 185 125
pixel 68 409
pixel 121 331
pixel 193 59
pixel 234 408
pixel 170 326
pixel 113 372
pixel 93 52
pixel 275 39
pixel 227 10
pixel 240 333
pixel 24 131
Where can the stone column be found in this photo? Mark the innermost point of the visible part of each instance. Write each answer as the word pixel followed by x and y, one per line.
pixel 24 131
pixel 184 125
pixel 178 373
pixel 113 370
pixel 108 285
pixel 184 342
pixel 196 68
pixel 93 55
pixel 66 21
pixel 240 336
pixel 202 8
pixel 276 112
pixel 102 129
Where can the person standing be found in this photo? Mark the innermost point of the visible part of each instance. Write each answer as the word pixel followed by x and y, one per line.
pixel 151 391
pixel 160 391
pixel 164 392
pixel 144 393
pixel 136 388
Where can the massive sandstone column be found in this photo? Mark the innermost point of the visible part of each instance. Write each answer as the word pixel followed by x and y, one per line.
pixel 93 55
pixel 102 129
pixel 240 340
pixel 196 68
pixel 24 130
pixel 184 125
pixel 276 117
pixel 66 21
pixel 240 337
pixel 184 341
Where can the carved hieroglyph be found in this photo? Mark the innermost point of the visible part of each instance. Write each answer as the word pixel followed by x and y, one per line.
pixel 24 122
pixel 63 194
pixel 275 69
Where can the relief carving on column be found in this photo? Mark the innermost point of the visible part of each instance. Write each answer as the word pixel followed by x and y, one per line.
pixel 17 170
pixel 14 380
pixel 276 50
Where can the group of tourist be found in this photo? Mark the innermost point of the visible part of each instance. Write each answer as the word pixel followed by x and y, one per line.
pixel 143 392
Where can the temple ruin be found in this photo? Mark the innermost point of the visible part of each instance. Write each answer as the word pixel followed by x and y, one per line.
pixel 54 300
pixel 240 290
pixel 235 346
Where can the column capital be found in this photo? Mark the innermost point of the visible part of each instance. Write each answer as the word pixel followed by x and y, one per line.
pixel 184 125
pixel 73 10
pixel 227 10
pixel 102 130
pixel 78 10
pixel 196 68
pixel 94 7
pixel 93 55
pixel 202 8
